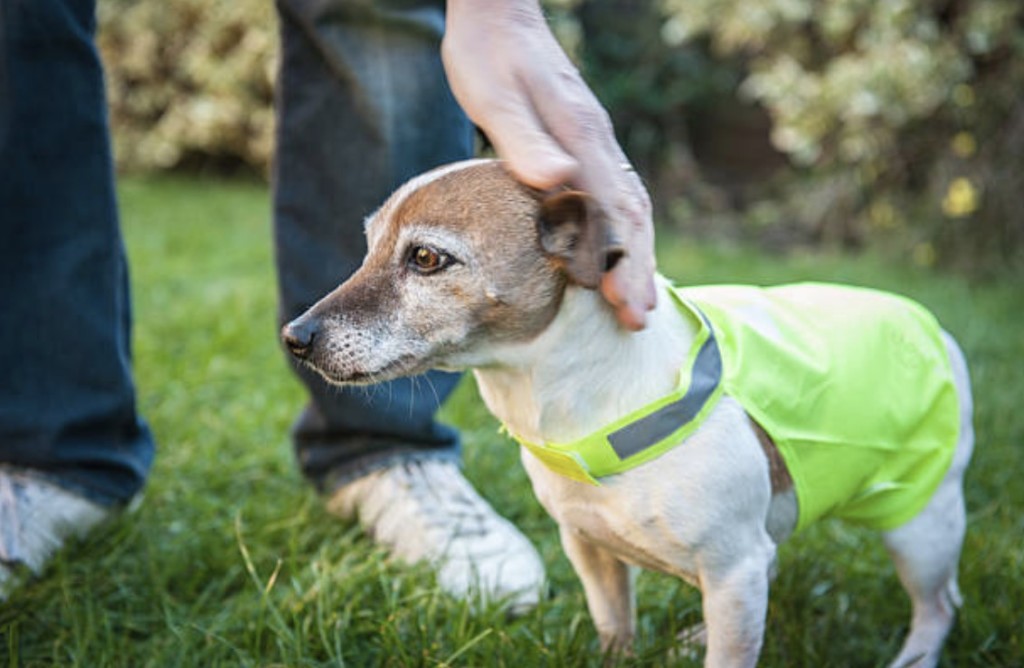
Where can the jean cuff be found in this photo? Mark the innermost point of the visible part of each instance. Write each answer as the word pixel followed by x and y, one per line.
pixel 68 485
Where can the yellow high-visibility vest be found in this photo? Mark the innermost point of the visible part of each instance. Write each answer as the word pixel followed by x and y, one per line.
pixel 854 386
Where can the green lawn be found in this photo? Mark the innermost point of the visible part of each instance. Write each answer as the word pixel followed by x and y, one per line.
pixel 231 560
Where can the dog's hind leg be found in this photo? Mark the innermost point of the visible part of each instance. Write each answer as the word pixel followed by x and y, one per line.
pixel 926 550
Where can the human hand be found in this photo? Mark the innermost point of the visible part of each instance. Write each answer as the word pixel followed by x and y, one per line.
pixel 514 81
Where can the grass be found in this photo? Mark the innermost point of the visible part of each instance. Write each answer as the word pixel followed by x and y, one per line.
pixel 231 561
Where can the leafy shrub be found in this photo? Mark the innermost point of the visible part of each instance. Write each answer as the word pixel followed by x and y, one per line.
pixel 904 118
pixel 652 90
pixel 189 81
pixel 904 108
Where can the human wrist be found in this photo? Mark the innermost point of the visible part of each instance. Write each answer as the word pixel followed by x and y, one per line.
pixel 522 13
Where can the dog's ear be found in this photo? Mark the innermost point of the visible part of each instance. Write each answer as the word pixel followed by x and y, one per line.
pixel 575 230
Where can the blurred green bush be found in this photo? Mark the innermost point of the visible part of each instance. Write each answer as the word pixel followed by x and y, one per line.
pixel 190 82
pixel 903 120
pixel 845 121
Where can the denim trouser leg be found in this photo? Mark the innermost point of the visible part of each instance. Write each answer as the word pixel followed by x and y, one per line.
pixel 363 105
pixel 67 402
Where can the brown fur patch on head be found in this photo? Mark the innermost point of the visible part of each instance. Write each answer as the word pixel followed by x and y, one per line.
pixel 518 286
pixel 490 280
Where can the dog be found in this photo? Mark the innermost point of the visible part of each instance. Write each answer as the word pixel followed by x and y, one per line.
pixel 648 448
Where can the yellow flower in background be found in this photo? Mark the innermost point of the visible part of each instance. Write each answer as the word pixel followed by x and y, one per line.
pixel 963 95
pixel 924 254
pixel 961 198
pixel 964 145
pixel 882 215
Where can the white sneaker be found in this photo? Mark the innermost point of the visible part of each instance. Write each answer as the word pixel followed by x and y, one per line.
pixel 426 510
pixel 36 517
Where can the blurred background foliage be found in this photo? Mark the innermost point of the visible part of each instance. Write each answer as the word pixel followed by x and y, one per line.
pixel 898 124
pixel 190 82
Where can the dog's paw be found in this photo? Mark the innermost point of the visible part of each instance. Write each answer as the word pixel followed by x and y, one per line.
pixel 615 648
pixel 690 644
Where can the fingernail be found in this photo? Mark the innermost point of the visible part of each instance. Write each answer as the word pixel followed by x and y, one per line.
pixel 652 296
pixel 632 318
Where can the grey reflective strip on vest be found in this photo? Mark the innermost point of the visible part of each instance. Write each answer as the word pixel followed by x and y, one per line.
pixel 659 425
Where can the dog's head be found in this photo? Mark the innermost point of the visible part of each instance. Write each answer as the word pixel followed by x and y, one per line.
pixel 460 259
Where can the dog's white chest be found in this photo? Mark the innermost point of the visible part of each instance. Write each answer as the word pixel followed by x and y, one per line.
pixel 711 489
pixel 634 527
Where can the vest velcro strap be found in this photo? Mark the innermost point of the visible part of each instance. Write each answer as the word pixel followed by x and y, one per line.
pixel 568 464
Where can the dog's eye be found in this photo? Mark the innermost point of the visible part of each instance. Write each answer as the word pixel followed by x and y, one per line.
pixel 426 260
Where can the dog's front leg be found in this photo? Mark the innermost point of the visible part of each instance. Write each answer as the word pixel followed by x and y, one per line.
pixel 735 604
pixel 608 585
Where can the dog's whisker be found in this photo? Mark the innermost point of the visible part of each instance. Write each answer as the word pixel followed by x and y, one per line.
pixel 433 389
pixel 414 383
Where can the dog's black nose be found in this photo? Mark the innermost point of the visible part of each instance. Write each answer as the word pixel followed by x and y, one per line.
pixel 298 335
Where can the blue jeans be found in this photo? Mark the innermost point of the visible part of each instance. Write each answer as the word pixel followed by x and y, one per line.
pixel 363 105
pixel 67 403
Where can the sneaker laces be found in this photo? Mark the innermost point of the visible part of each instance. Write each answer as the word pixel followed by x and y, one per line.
pixel 446 500
pixel 435 497
pixel 426 510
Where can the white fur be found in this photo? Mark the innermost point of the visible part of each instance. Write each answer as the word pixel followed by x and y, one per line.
pixel 700 511
pixel 658 516
pixel 396 199
pixel 704 511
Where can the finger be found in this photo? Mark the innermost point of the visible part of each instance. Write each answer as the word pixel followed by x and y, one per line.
pixel 529 151
pixel 630 285
pixel 535 160
pixel 631 291
pixel 582 129
pixel 566 108
pixel 628 315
